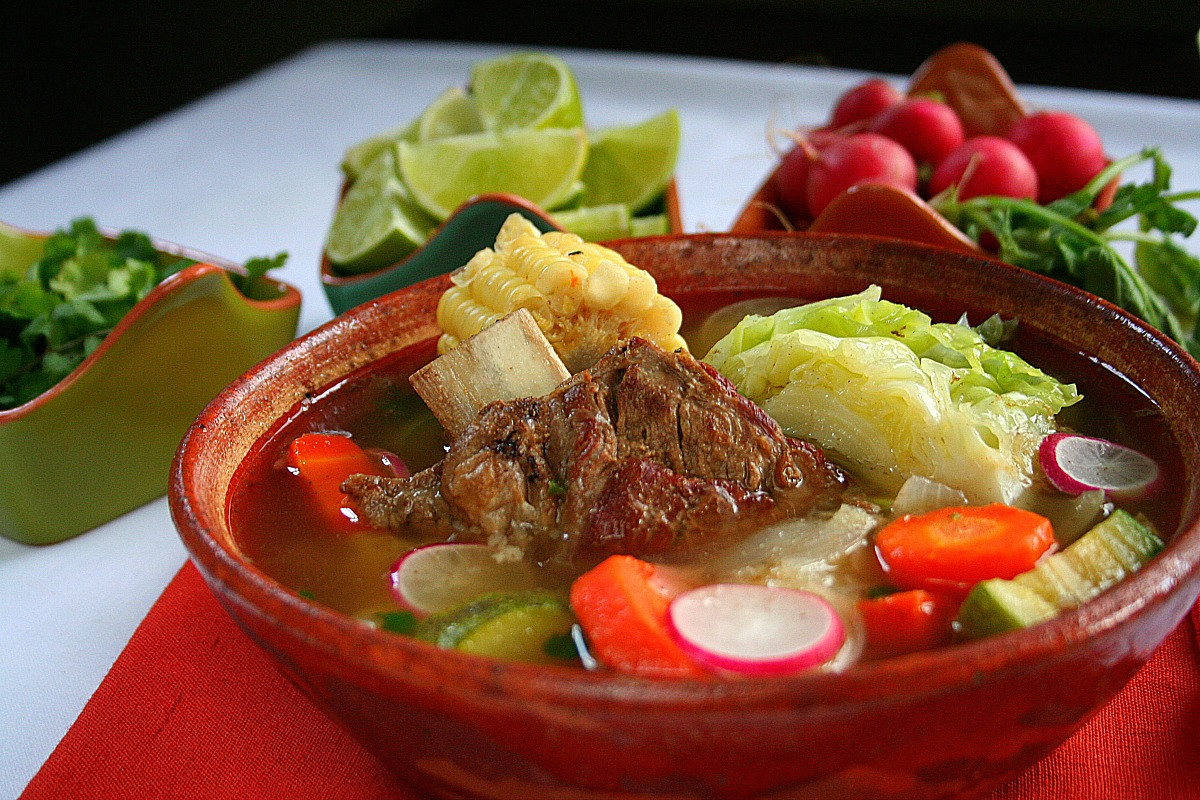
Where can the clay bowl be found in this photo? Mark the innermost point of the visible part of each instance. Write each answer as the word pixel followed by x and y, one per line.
pixel 948 723
pixel 99 443
pixel 967 78
pixel 471 227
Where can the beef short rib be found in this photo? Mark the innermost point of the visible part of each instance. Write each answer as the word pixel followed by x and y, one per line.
pixel 647 452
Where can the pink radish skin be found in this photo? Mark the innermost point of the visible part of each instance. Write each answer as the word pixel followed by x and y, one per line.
pixel 791 180
pixel 755 630
pixel 390 460
pixel 929 130
pixel 791 176
pixel 1065 151
pixel 437 577
pixel 864 101
pixel 860 158
pixel 986 165
pixel 1075 464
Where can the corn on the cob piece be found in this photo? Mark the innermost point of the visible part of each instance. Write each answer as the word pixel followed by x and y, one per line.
pixel 584 297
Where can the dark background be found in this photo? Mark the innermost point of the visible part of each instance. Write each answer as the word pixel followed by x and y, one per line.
pixel 73 75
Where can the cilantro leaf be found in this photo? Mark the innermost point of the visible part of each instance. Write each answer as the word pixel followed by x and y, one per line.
pixel 83 284
pixel 1071 241
pixel 254 283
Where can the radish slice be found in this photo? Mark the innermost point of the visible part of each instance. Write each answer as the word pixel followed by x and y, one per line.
pixel 1076 464
pixel 438 577
pixel 390 461
pixel 755 630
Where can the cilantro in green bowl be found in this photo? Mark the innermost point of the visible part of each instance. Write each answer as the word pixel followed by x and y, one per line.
pixel 110 345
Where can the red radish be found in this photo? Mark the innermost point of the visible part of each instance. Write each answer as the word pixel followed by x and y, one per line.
pixel 791 176
pixel 929 130
pixel 986 165
pixel 1076 464
pixel 860 158
pixel 864 101
pixel 438 577
pixel 1065 151
pixel 791 180
pixel 755 630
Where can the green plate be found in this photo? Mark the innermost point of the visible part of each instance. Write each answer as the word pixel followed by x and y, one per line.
pixel 100 442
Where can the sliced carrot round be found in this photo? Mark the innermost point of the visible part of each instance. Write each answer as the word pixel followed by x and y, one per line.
pixel 956 547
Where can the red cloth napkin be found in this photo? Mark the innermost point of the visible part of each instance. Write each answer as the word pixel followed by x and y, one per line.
pixel 192 709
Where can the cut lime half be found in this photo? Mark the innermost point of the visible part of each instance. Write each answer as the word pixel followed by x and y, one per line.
pixel 526 90
pixel 453 112
pixel 377 223
pixel 632 164
pixel 596 223
pixel 359 157
pixel 541 166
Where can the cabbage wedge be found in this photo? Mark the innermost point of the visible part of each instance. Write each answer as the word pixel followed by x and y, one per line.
pixel 891 394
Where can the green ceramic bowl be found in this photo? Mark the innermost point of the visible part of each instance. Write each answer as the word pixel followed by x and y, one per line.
pixel 472 227
pixel 100 442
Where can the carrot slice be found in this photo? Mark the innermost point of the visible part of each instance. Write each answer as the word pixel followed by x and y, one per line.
pixel 908 621
pixel 954 548
pixel 323 461
pixel 621 605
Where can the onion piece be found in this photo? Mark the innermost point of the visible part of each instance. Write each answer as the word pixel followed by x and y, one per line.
pixel 445 575
pixel 1075 464
pixel 755 630
pixel 919 495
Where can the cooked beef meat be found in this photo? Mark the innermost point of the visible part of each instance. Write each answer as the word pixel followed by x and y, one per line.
pixel 645 453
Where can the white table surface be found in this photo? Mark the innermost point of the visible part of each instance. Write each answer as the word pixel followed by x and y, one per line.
pixel 252 169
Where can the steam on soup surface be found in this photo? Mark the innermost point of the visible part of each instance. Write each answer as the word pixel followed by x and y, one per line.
pixel 823 564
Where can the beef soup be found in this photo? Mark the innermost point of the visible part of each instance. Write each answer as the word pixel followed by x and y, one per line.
pixel 813 531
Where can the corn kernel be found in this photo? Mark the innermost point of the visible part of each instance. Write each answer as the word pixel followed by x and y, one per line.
pixel 605 286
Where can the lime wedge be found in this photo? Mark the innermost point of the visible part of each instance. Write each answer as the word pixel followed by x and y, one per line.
pixel 18 250
pixel 453 112
pixel 650 225
pixel 358 157
pixel 632 164
pixel 541 166
pixel 596 223
pixel 574 198
pixel 377 223
pixel 526 90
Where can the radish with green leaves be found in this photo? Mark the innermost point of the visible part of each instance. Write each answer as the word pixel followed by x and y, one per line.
pixel 1065 151
pixel 985 165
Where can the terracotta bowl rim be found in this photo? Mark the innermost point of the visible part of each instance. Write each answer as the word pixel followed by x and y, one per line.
pixel 388 657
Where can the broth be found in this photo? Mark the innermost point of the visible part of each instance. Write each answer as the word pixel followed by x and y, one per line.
pixel 278 530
